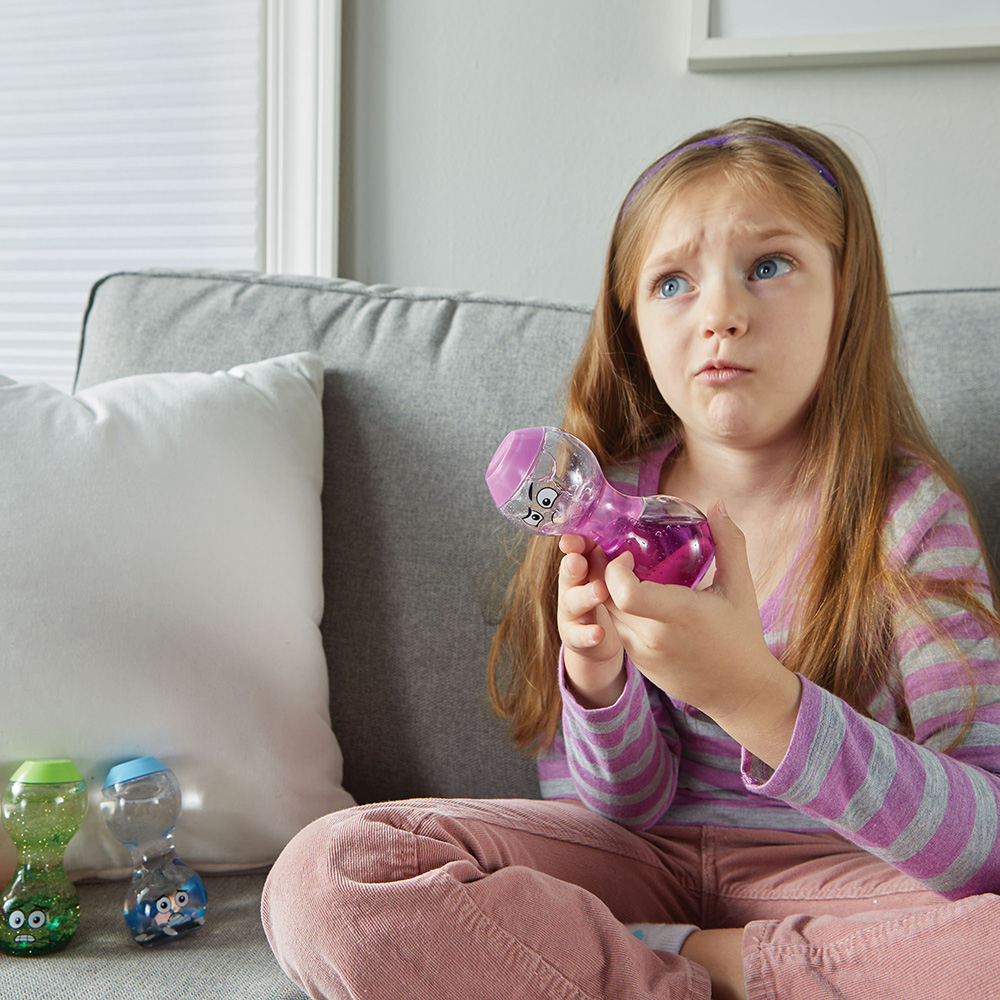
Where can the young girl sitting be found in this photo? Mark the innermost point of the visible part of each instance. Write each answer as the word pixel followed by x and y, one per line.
pixel 782 784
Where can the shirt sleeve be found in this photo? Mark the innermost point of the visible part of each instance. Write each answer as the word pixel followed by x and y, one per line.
pixel 928 806
pixel 620 761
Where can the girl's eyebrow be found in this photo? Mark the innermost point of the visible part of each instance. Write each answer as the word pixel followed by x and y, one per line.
pixel 689 247
pixel 669 256
pixel 775 232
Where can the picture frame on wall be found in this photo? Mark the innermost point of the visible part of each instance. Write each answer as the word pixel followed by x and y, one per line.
pixel 776 34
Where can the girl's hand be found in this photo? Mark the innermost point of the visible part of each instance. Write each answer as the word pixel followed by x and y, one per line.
pixel 707 648
pixel 592 648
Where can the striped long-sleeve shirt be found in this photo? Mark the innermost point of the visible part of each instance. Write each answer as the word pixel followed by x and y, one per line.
pixel 650 759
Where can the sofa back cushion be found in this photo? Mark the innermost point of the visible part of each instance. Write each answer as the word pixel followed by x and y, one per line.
pixel 950 351
pixel 420 389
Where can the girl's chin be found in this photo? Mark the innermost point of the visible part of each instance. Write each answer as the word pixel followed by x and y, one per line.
pixel 736 424
pixel 732 419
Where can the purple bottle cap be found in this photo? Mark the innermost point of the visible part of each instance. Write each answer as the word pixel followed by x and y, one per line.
pixel 513 462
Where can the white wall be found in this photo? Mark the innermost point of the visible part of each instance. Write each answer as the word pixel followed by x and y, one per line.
pixel 487 143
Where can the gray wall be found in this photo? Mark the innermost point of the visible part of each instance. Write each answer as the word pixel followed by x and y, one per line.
pixel 487 143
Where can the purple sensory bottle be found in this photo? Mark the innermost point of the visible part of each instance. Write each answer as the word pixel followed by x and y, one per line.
pixel 550 482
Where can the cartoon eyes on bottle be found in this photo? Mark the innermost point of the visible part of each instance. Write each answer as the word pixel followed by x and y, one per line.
pixel 36 919
pixel 546 497
pixel 175 901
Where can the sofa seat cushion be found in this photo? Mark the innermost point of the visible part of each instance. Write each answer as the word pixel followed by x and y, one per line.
pixel 228 957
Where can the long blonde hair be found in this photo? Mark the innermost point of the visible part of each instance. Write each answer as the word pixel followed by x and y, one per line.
pixel 861 424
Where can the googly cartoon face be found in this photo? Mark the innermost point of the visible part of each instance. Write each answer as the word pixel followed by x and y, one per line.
pixel 25 926
pixel 172 903
pixel 33 925
pixel 161 913
pixel 541 505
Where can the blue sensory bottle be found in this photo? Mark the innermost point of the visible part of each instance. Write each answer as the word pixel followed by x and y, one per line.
pixel 140 803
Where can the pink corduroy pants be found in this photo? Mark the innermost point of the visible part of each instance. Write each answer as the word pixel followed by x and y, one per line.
pixel 525 900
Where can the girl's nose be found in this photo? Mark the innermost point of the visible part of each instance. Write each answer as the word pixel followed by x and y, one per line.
pixel 725 313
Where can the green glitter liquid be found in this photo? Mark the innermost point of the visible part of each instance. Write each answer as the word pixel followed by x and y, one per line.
pixel 40 905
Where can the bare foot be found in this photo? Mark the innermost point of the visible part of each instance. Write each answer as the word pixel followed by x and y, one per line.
pixel 720 952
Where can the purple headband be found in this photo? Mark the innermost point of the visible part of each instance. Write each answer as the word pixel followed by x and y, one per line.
pixel 721 140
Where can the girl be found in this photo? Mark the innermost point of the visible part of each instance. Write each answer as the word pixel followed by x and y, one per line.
pixel 783 784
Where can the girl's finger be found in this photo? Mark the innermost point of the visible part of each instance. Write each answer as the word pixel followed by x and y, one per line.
pixel 574 543
pixel 659 602
pixel 583 636
pixel 573 570
pixel 576 602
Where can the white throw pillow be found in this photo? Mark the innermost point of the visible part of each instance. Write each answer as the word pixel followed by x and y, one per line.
pixel 161 593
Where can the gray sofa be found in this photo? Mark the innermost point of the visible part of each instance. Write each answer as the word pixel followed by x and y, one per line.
pixel 420 387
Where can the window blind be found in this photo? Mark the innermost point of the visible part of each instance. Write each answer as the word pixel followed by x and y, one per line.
pixel 130 137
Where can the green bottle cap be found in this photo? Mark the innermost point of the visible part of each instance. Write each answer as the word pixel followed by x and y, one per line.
pixel 47 772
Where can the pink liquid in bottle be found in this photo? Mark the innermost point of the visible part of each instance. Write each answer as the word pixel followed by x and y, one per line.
pixel 666 553
pixel 550 482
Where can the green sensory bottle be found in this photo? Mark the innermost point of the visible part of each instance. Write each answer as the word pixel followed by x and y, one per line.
pixel 43 806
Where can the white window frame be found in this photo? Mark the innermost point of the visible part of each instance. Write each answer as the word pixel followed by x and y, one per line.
pixel 301 136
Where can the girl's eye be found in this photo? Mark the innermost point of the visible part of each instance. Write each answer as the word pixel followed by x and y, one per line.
pixel 671 286
pixel 770 267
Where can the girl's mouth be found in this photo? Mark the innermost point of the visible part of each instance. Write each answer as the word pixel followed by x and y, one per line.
pixel 720 373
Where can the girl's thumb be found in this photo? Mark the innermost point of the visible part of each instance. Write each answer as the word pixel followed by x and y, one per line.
pixel 731 566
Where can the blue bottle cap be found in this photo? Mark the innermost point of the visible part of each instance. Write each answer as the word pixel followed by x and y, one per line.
pixel 132 769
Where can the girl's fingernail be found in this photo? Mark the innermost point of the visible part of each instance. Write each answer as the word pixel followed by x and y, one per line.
pixel 720 506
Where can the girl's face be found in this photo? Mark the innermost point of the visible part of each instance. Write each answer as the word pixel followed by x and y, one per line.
pixel 734 308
